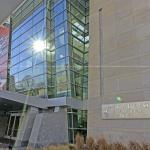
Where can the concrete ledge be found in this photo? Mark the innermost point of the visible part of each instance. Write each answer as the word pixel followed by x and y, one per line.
pixel 21 98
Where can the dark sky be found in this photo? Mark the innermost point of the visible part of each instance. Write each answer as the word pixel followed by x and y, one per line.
pixel 6 7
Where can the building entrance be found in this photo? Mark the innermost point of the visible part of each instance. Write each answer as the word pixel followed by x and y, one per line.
pixel 13 125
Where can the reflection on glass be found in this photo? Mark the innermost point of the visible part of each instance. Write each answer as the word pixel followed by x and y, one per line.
pixel 60 65
pixel 62 68
pixel 60 52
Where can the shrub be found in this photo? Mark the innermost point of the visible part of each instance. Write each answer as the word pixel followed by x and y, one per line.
pixel 79 140
pixel 118 146
pixel 145 146
pixel 135 146
pixel 102 144
pixel 90 144
pixel 72 147
pixel 56 148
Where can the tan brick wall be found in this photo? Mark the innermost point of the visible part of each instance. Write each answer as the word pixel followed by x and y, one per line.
pixel 126 64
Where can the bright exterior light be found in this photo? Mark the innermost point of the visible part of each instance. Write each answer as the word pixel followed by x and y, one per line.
pixel 118 99
pixel 39 45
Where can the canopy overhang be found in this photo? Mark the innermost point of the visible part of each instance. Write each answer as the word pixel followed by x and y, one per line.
pixel 13 100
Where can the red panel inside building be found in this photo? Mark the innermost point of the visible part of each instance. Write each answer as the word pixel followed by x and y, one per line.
pixel 4 42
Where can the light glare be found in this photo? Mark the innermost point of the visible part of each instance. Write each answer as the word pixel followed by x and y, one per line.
pixel 39 45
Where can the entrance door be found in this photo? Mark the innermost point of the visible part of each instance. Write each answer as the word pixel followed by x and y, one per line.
pixel 13 125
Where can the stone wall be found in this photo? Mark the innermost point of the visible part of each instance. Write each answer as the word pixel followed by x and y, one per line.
pixel 26 127
pixel 49 128
pixel 122 49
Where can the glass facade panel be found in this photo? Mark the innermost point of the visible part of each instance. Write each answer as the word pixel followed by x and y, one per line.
pixel 39 81
pixel 61 53
pixel 25 54
pixel 77 123
pixel 39 69
pixel 27 71
pixel 67 38
pixel 60 29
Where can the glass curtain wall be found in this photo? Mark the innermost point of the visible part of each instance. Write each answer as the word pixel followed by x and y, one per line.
pixel 67 42
pixel 28 66
pixel 61 69
pixel 78 25
pixel 57 53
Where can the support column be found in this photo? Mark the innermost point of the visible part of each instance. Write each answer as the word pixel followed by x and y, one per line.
pixel 50 128
pixel 25 128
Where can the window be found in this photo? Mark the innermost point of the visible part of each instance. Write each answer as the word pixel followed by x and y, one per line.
pixel 25 74
pixel 60 29
pixel 39 26
pixel 38 17
pixel 14 69
pixel 26 35
pixel 15 51
pixel 25 64
pixel 25 54
pixel 26 26
pixel 59 19
pixel 13 124
pixel 60 41
pixel 60 65
pixel 15 43
pixel 62 90
pixel 61 52
pixel 15 60
pixel 38 81
pixel 61 77
pixel 25 45
pixel 58 8
pixel 38 69
pixel 38 57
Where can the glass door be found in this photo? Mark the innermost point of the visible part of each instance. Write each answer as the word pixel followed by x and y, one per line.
pixel 13 125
